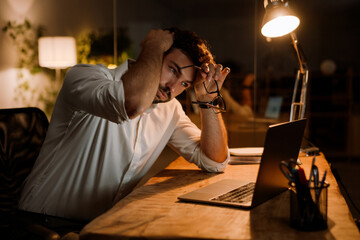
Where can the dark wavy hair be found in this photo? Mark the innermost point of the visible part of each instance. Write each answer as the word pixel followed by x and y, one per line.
pixel 196 48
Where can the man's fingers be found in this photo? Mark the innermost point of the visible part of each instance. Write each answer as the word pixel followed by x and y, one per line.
pixel 226 71
pixel 218 70
pixel 211 72
pixel 214 72
pixel 223 75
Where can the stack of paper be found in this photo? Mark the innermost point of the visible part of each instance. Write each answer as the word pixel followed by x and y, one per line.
pixel 248 155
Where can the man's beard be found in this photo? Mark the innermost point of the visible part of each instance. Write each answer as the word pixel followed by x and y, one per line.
pixel 167 91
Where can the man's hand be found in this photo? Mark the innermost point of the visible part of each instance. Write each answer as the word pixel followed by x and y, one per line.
pixel 208 74
pixel 158 39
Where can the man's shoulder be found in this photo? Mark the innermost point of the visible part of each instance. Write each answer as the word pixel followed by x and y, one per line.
pixel 82 71
pixel 89 66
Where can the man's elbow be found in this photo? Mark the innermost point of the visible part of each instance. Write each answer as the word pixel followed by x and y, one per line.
pixel 132 112
pixel 134 109
pixel 220 159
pixel 218 156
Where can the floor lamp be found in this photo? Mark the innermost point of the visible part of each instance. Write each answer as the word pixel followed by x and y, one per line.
pixel 57 53
pixel 278 21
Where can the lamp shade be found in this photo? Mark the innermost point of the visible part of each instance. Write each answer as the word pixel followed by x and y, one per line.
pixel 279 20
pixel 57 52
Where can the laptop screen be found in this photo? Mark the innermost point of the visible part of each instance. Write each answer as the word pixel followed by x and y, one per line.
pixel 273 107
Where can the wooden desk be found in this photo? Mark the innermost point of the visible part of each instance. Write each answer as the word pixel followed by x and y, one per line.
pixel 153 211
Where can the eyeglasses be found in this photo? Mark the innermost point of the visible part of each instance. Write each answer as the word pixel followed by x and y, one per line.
pixel 218 103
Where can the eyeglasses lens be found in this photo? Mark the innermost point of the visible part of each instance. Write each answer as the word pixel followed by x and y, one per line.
pixel 219 103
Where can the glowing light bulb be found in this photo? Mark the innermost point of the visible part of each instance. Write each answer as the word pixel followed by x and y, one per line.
pixel 280 26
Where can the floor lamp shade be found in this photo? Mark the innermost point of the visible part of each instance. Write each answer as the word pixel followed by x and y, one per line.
pixel 57 52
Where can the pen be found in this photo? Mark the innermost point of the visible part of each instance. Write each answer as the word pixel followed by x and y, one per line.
pixel 323 179
pixel 302 178
pixel 311 170
pixel 303 184
pixel 321 187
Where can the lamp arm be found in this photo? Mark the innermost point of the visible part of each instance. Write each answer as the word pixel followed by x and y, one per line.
pixel 299 53
pixel 298 108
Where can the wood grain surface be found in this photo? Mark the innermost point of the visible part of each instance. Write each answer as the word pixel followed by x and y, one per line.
pixel 154 212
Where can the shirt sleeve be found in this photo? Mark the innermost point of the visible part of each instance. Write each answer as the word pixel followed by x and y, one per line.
pixel 92 88
pixel 186 141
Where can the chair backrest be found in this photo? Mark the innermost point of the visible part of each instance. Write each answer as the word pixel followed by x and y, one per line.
pixel 22 133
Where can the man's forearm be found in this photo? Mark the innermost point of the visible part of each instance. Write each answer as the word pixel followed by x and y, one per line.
pixel 213 135
pixel 141 81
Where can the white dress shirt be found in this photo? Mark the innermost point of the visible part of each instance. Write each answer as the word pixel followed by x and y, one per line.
pixel 94 155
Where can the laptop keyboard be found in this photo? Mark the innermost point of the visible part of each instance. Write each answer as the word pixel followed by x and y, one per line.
pixel 242 194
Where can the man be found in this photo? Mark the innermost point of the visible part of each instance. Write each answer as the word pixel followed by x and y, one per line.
pixel 109 126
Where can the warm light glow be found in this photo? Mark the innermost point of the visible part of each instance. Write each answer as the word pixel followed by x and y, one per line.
pixel 57 52
pixel 280 26
pixel 112 66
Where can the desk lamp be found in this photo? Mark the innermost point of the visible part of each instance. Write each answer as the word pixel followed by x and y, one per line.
pixel 278 21
pixel 57 53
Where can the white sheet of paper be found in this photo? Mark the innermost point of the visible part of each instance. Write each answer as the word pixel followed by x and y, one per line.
pixel 247 151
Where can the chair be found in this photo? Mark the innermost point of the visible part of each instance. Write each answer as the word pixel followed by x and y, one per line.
pixel 22 132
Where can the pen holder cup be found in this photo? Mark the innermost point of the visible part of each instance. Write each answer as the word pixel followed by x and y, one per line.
pixel 308 209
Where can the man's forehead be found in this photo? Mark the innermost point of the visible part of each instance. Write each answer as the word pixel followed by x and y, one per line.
pixel 179 55
pixel 181 62
pixel 188 73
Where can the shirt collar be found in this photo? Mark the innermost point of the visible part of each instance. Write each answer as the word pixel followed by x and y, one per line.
pixel 151 108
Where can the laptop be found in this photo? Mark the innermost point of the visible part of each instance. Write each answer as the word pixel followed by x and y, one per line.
pixel 282 142
pixel 272 111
